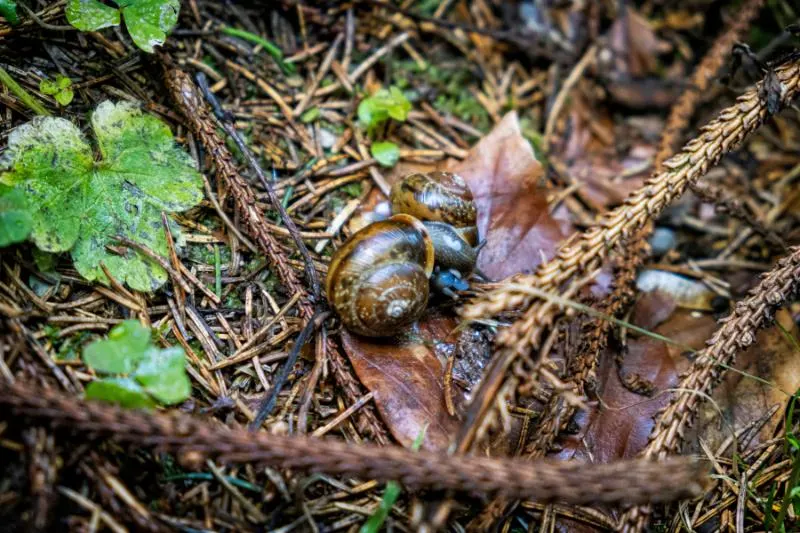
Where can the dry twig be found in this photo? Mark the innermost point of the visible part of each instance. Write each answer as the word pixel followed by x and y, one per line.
pixel 737 332
pixel 195 441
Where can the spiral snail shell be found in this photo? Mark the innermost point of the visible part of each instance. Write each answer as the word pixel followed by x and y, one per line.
pixel 436 197
pixel 378 280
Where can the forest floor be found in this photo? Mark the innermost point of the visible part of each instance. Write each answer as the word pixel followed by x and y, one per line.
pixel 633 300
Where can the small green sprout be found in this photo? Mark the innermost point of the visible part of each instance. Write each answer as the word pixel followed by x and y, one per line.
pixel 60 89
pixel 381 106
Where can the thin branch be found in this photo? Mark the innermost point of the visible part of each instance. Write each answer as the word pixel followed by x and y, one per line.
pixel 195 441
pixel 226 120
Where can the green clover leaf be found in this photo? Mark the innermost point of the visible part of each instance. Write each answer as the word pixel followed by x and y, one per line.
pixel 383 105
pixel 8 9
pixel 163 375
pixel 60 89
pixel 15 221
pixel 386 153
pixel 148 21
pixel 122 352
pixel 121 391
pixel 143 374
pixel 78 204
pixel 91 15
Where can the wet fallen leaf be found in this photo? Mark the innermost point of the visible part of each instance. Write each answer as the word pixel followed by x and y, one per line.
pixel 607 170
pixel 635 45
pixel 630 64
pixel 619 425
pixel 406 375
pixel 742 400
pixel 513 215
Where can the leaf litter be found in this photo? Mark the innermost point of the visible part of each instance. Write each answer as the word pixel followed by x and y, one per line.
pixel 600 148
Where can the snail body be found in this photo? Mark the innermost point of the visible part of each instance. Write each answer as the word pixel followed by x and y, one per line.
pixel 378 280
pixel 452 248
pixel 445 204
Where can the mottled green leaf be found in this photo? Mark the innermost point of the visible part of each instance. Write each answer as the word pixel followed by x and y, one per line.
pixel 121 352
pixel 382 106
pixel 8 9
pixel 15 221
pixel 91 15
pixel 121 391
pixel 82 205
pixel 386 153
pixel 163 375
pixel 149 21
pixel 60 89
pixel 52 167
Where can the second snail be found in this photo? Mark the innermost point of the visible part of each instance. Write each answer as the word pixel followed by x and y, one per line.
pixel 380 279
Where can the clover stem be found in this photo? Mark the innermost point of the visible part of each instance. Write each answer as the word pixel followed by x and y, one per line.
pixel 269 46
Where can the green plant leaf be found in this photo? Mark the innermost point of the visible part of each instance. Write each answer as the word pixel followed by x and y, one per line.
pixel 82 205
pixel 60 89
pixel 381 106
pixel 310 115
pixel 122 351
pixel 15 221
pixel 386 153
pixel 148 21
pixel 121 391
pixel 128 351
pixel 390 495
pixel 91 15
pixel 8 8
pixel 163 375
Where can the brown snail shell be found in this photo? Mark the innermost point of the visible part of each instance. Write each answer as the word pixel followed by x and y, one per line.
pixel 378 280
pixel 435 196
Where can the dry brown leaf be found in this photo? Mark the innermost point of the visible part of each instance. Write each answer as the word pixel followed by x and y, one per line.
pixel 630 64
pixel 593 158
pixel 513 216
pixel 742 400
pixel 635 45
pixel 407 378
pixel 620 424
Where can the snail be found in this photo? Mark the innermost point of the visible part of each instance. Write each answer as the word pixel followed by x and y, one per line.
pixel 380 278
pixel 436 196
